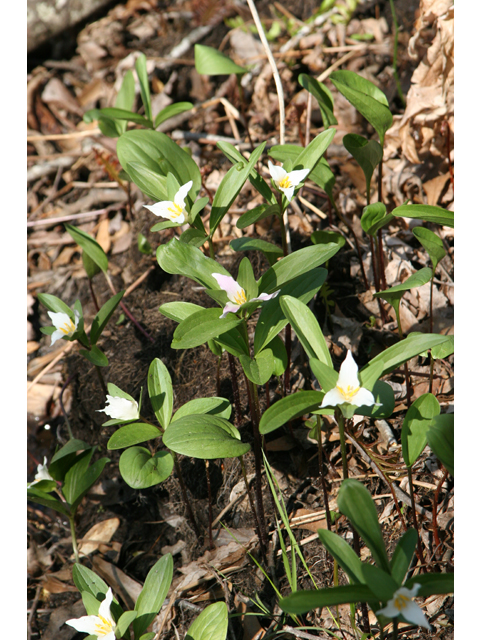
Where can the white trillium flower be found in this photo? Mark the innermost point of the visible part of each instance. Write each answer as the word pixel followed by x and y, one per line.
pixel 102 625
pixel 287 182
pixel 348 387
pixel 236 294
pixel 403 604
pixel 121 408
pixel 64 325
pixel 174 211
pixel 42 473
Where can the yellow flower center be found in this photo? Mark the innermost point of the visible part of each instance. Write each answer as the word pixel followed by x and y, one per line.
pixel 239 297
pixel 103 628
pixel 401 601
pixel 285 183
pixel 348 393
pixel 176 210
pixel 67 328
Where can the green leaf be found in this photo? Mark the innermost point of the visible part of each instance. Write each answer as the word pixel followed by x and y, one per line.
pixel 90 246
pixel 140 469
pixel 95 356
pixel 303 601
pixel 327 236
pixel 176 257
pixel 355 502
pixel 325 374
pixel 202 326
pixel 87 581
pixel 194 237
pixel 426 212
pixel 132 434
pixel 280 356
pixel 156 154
pixel 211 624
pixel 171 111
pixel 65 457
pixel 52 303
pixel 415 425
pixel 432 244
pixel 321 174
pixel 343 553
pixel 440 437
pixel 91 604
pixel 213 406
pixel 289 408
pixel 271 251
pixel 403 554
pixel 381 583
pixel 322 95
pixel 233 342
pixel 78 483
pixel 146 636
pixel 368 154
pixel 306 329
pixel 246 278
pixel 90 266
pixel 210 62
pixel 40 497
pixel 143 245
pixel 260 369
pixel 255 179
pixel 367 98
pixel 258 213
pixel 160 391
pixel 179 311
pixel 296 264
pixel 205 437
pixel 230 187
pixel 272 319
pixel 114 113
pixel 74 474
pixel 432 584
pixel 417 279
pixel 384 397
pixel 309 157
pixel 103 316
pixel 124 622
pixel 155 589
pixel 413 345
pixel 374 217
pixel 153 184
pixel 141 69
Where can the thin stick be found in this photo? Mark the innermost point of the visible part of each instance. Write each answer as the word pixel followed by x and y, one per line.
pixel 33 609
pixel 210 514
pixel 126 311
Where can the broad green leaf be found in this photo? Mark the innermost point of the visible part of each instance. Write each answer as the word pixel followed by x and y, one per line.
pixel 95 356
pixel 124 622
pixel 158 154
pixel 103 316
pixel 272 319
pixel 210 62
pixel 399 353
pixel 255 178
pixel 91 604
pixel 440 437
pixel 403 554
pixel 132 434
pixel 368 376
pixel 74 475
pixel 178 311
pixel 384 397
pixel 432 584
pixel 322 95
pixel 306 328
pixel 325 237
pixel 381 583
pixel 141 470
pixel 303 601
pixel 374 217
pixel 146 636
pixel 194 237
pixel 426 212
pixel 271 251
pixel 176 257
pixel 77 484
pixel 211 624
pixel 233 342
pixel 52 303
pixel 230 187
pixel 126 95
pixel 432 244
pixel 155 589
pixel 325 374
pixel 87 581
pixel 417 279
pixel 65 457
pixel 143 245
pixel 202 326
pixel 368 154
pixel 246 278
pixel 343 554
pixel 258 213
pixel 289 408
pixel 258 370
pixel 153 184
pixel 355 502
pixel 367 98
pixel 141 69
pixel 171 111
pixel 214 406
pixel 205 437
pixel 415 425
pixel 90 246
pixel 280 356
pixel 160 391
pixel 90 266
pixel 296 264
pixel 35 495
pixel 114 113
pixel 309 157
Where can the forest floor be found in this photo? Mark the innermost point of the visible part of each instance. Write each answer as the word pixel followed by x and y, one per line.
pixel 71 168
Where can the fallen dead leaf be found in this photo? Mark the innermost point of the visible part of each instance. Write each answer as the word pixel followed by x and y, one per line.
pixel 124 586
pixel 39 396
pixel 99 534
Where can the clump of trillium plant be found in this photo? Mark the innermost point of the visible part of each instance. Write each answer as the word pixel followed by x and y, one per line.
pixel 236 294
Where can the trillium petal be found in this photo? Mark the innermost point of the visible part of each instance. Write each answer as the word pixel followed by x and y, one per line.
pixel 87 624
pixel 288 192
pixel 363 397
pixel 348 374
pixel 332 398
pixel 63 324
pixel 120 408
pixel 56 335
pixel 167 209
pixel 298 175
pixel 230 308
pixel 277 173
pixel 104 609
pixel 265 296
pixel 234 291
pixel 412 613
pixel 182 194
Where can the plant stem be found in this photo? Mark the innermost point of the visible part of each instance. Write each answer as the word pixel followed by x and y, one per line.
pixel 321 474
pixel 71 519
pixel 395 629
pixel 414 516
pixel 249 494
pixel 211 249
pixel 432 362
pixel 210 515
pixel 102 381
pixel 92 293
pixel 431 303
pixel 341 428
pixel 355 239
pixel 434 512
pixel 126 311
pixel 184 495
pixel 219 362
pixel 395 47
pixel 236 394
pixel 60 398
